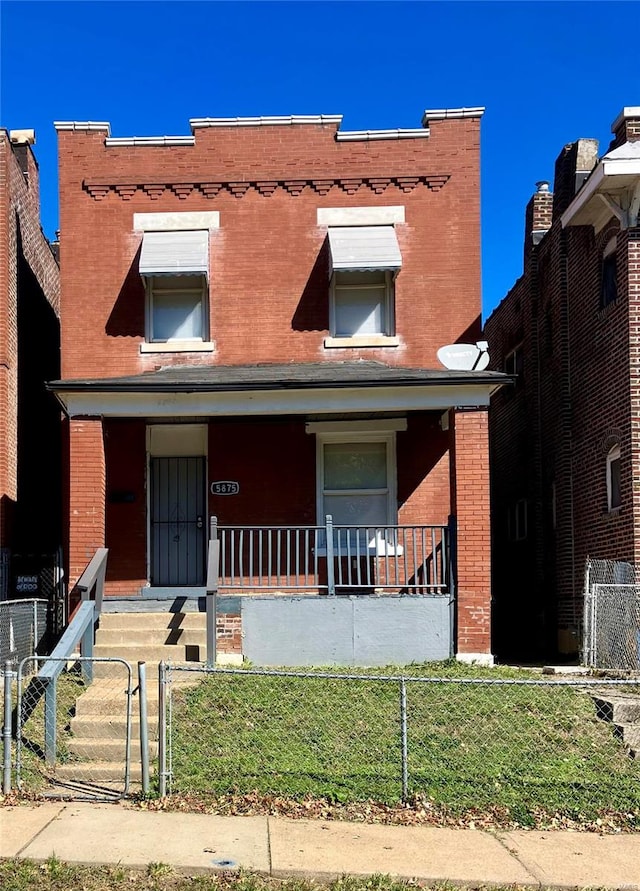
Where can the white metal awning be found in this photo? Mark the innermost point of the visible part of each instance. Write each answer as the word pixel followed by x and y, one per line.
pixel 361 248
pixel 175 253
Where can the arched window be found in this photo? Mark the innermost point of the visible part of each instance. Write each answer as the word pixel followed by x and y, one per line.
pixel 613 478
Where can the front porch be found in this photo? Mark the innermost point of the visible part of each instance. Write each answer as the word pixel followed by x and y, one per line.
pixel 352 484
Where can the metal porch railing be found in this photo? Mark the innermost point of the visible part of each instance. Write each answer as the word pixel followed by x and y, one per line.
pixel 412 559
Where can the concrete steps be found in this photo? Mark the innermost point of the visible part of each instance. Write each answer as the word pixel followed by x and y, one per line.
pixel 623 711
pixel 99 772
pixel 98 729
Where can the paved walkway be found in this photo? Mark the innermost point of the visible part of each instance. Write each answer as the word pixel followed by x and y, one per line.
pixel 196 843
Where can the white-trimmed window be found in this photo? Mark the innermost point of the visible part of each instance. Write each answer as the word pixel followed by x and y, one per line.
pixel 176 308
pixel 356 476
pixel 174 264
pixel 362 303
pixel 613 479
pixel 364 261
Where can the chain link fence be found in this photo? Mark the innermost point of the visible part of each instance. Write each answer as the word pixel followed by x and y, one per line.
pixel 74 727
pixel 23 629
pixel 461 745
pixel 611 621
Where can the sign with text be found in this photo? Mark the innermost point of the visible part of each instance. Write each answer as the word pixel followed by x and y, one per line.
pixel 225 487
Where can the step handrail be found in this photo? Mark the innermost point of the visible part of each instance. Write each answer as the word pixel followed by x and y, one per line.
pixel 80 630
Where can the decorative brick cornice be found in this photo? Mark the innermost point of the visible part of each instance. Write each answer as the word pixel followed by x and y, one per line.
pixel 99 189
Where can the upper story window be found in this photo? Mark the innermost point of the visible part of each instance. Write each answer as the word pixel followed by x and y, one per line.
pixel 614 499
pixel 514 363
pixel 176 308
pixel 364 263
pixel 362 303
pixel 175 267
pixel 517 520
pixel 609 275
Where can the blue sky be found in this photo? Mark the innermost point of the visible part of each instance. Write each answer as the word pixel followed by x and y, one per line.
pixel 547 72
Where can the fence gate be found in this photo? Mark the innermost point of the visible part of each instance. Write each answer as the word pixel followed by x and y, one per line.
pixel 74 727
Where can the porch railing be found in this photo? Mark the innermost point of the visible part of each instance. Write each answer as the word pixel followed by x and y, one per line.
pixel 335 558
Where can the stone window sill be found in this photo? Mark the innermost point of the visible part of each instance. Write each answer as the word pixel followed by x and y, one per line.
pixel 179 346
pixel 373 340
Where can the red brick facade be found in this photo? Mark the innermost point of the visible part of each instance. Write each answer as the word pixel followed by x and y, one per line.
pixel 268 303
pixel 575 400
pixel 29 286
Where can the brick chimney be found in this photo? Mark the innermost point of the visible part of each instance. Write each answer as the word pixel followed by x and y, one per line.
pixel 573 165
pixel 626 127
pixel 538 217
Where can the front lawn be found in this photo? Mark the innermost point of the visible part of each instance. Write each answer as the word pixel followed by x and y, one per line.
pixel 526 752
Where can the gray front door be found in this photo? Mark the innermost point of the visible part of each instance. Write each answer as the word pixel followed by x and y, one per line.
pixel 178 526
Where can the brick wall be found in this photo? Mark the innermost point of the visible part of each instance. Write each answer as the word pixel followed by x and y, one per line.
pixel 87 492
pixel 550 440
pixel 21 241
pixel 471 462
pixel 274 460
pixel 269 278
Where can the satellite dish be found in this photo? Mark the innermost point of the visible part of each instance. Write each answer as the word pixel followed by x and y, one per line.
pixel 465 356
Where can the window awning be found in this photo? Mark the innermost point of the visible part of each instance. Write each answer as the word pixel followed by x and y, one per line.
pixel 362 248
pixel 175 253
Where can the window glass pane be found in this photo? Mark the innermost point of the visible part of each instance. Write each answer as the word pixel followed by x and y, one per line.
pixel 360 303
pixel 359 311
pixel 355 465
pixel 609 288
pixel 357 510
pixel 614 470
pixel 177 315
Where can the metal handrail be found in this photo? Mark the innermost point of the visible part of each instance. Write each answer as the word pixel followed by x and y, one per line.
pixel 414 558
pixel 81 630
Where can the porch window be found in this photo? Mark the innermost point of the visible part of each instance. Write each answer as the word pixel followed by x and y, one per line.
pixel 357 487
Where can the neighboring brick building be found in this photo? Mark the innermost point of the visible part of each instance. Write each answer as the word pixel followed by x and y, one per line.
pixel 29 356
pixel 250 322
pixel 565 442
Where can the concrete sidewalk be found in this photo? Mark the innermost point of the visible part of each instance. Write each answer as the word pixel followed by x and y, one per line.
pixel 195 843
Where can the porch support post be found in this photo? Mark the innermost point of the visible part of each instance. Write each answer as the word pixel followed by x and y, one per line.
pixel 470 506
pixel 87 493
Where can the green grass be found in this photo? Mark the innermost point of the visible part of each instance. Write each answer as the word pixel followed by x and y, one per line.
pixel 523 750
pixel 34 772
pixel 54 875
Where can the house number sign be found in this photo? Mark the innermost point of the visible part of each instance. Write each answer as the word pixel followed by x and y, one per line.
pixel 225 487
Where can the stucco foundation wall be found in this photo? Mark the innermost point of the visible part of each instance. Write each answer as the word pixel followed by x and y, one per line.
pixel 363 631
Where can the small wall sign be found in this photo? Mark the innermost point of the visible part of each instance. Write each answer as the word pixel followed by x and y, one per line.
pixel 225 487
pixel 26 584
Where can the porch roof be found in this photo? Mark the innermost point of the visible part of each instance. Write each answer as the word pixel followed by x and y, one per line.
pixel 272 388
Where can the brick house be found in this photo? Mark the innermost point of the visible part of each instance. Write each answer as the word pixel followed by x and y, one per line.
pixel 250 322
pixel 29 356
pixel 565 442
